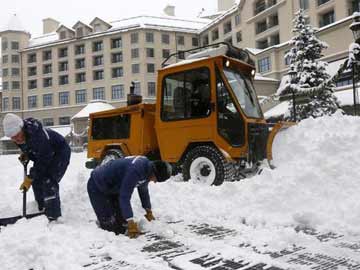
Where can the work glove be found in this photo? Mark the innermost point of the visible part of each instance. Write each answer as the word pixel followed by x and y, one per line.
pixel 26 184
pixel 133 230
pixel 149 215
pixel 23 158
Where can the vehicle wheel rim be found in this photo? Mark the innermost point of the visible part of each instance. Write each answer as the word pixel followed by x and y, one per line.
pixel 202 170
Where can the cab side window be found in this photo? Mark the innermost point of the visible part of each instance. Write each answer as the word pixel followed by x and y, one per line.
pixel 186 95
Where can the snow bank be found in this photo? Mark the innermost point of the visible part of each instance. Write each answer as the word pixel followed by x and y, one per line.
pixel 316 184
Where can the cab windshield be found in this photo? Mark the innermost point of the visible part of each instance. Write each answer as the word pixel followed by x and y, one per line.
pixel 244 92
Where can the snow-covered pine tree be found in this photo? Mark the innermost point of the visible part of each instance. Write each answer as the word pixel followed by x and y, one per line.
pixel 310 72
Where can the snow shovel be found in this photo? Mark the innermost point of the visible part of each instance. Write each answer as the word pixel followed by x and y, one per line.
pixel 12 220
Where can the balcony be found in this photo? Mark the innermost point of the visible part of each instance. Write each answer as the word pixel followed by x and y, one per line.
pixel 260 6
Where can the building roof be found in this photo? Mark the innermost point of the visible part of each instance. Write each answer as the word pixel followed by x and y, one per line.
pixel 167 23
pixel 14 24
pixel 92 107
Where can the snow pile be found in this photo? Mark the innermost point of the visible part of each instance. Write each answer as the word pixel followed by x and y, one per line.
pixel 316 185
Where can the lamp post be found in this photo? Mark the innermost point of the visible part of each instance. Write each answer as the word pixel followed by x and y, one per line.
pixel 292 75
pixel 355 28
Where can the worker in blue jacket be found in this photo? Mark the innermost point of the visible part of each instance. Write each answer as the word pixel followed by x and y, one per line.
pixel 50 154
pixel 111 185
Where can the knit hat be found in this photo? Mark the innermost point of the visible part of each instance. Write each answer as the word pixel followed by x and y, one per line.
pixel 162 170
pixel 12 124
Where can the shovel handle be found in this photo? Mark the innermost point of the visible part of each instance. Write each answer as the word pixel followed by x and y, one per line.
pixel 24 191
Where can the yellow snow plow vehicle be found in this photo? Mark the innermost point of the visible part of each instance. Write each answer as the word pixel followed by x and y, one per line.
pixel 206 121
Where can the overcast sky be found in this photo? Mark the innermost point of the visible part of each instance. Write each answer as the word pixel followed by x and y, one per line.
pixel 68 12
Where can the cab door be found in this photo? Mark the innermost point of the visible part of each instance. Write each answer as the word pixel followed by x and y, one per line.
pixel 185 111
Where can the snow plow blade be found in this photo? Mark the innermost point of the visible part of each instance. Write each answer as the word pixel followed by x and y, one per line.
pixel 12 220
pixel 279 126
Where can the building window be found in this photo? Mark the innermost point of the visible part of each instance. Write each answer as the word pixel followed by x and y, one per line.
pixel 5 72
pixel 32 84
pixel 117 72
pixel 5 104
pixel 287 58
pixel 64 120
pixel 261 27
pixel 47 82
pixel 79 32
pixel 327 18
pixel 16 103
pixel 31 58
pixel 31 71
pixel 116 57
pixel 134 38
pixel 15 59
pixel 4 44
pixel 259 6
pixel 80 96
pixel 195 42
pixel 46 55
pixel 80 63
pixel 264 64
pixel 181 54
pixel 63 98
pixel 80 77
pixel 48 122
pixel 99 93
pixel 97 46
pixel 355 6
pixel 64 79
pixel 116 43
pixel 47 69
pixel 149 37
pixel 80 49
pixel 273 20
pixel 137 88
pixel 165 38
pixel 304 4
pixel 32 102
pixel 62 34
pixel 151 89
pixel 205 40
pixel 150 68
pixel 274 40
pixel 98 60
pixel 15 85
pixel 344 80
pixel 180 40
pixel 5 59
pixel 238 36
pixel 135 53
pixel 165 53
pixel 63 52
pixel 227 27
pixel 5 86
pixel 14 45
pixel 63 66
pixel 150 52
pixel 262 44
pixel 237 19
pixel 15 72
pixel 135 68
pixel 321 2
pixel 215 34
pixel 47 100
pixel 117 92
pixel 98 75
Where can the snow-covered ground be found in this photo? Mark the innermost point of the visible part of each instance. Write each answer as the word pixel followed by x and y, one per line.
pixel 316 185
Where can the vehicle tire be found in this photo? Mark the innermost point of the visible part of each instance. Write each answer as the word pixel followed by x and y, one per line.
pixel 111 154
pixel 206 165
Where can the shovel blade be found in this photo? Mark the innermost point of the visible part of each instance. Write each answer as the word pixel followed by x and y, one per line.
pixel 12 220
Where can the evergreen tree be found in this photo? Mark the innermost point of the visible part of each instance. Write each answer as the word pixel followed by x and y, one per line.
pixel 310 73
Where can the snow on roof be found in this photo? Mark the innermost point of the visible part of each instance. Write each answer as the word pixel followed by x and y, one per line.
pixel 14 24
pixel 277 110
pixel 345 97
pixel 254 51
pixel 92 107
pixel 333 67
pixel 258 77
pixel 169 23
pixel 62 130
pixel 161 21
